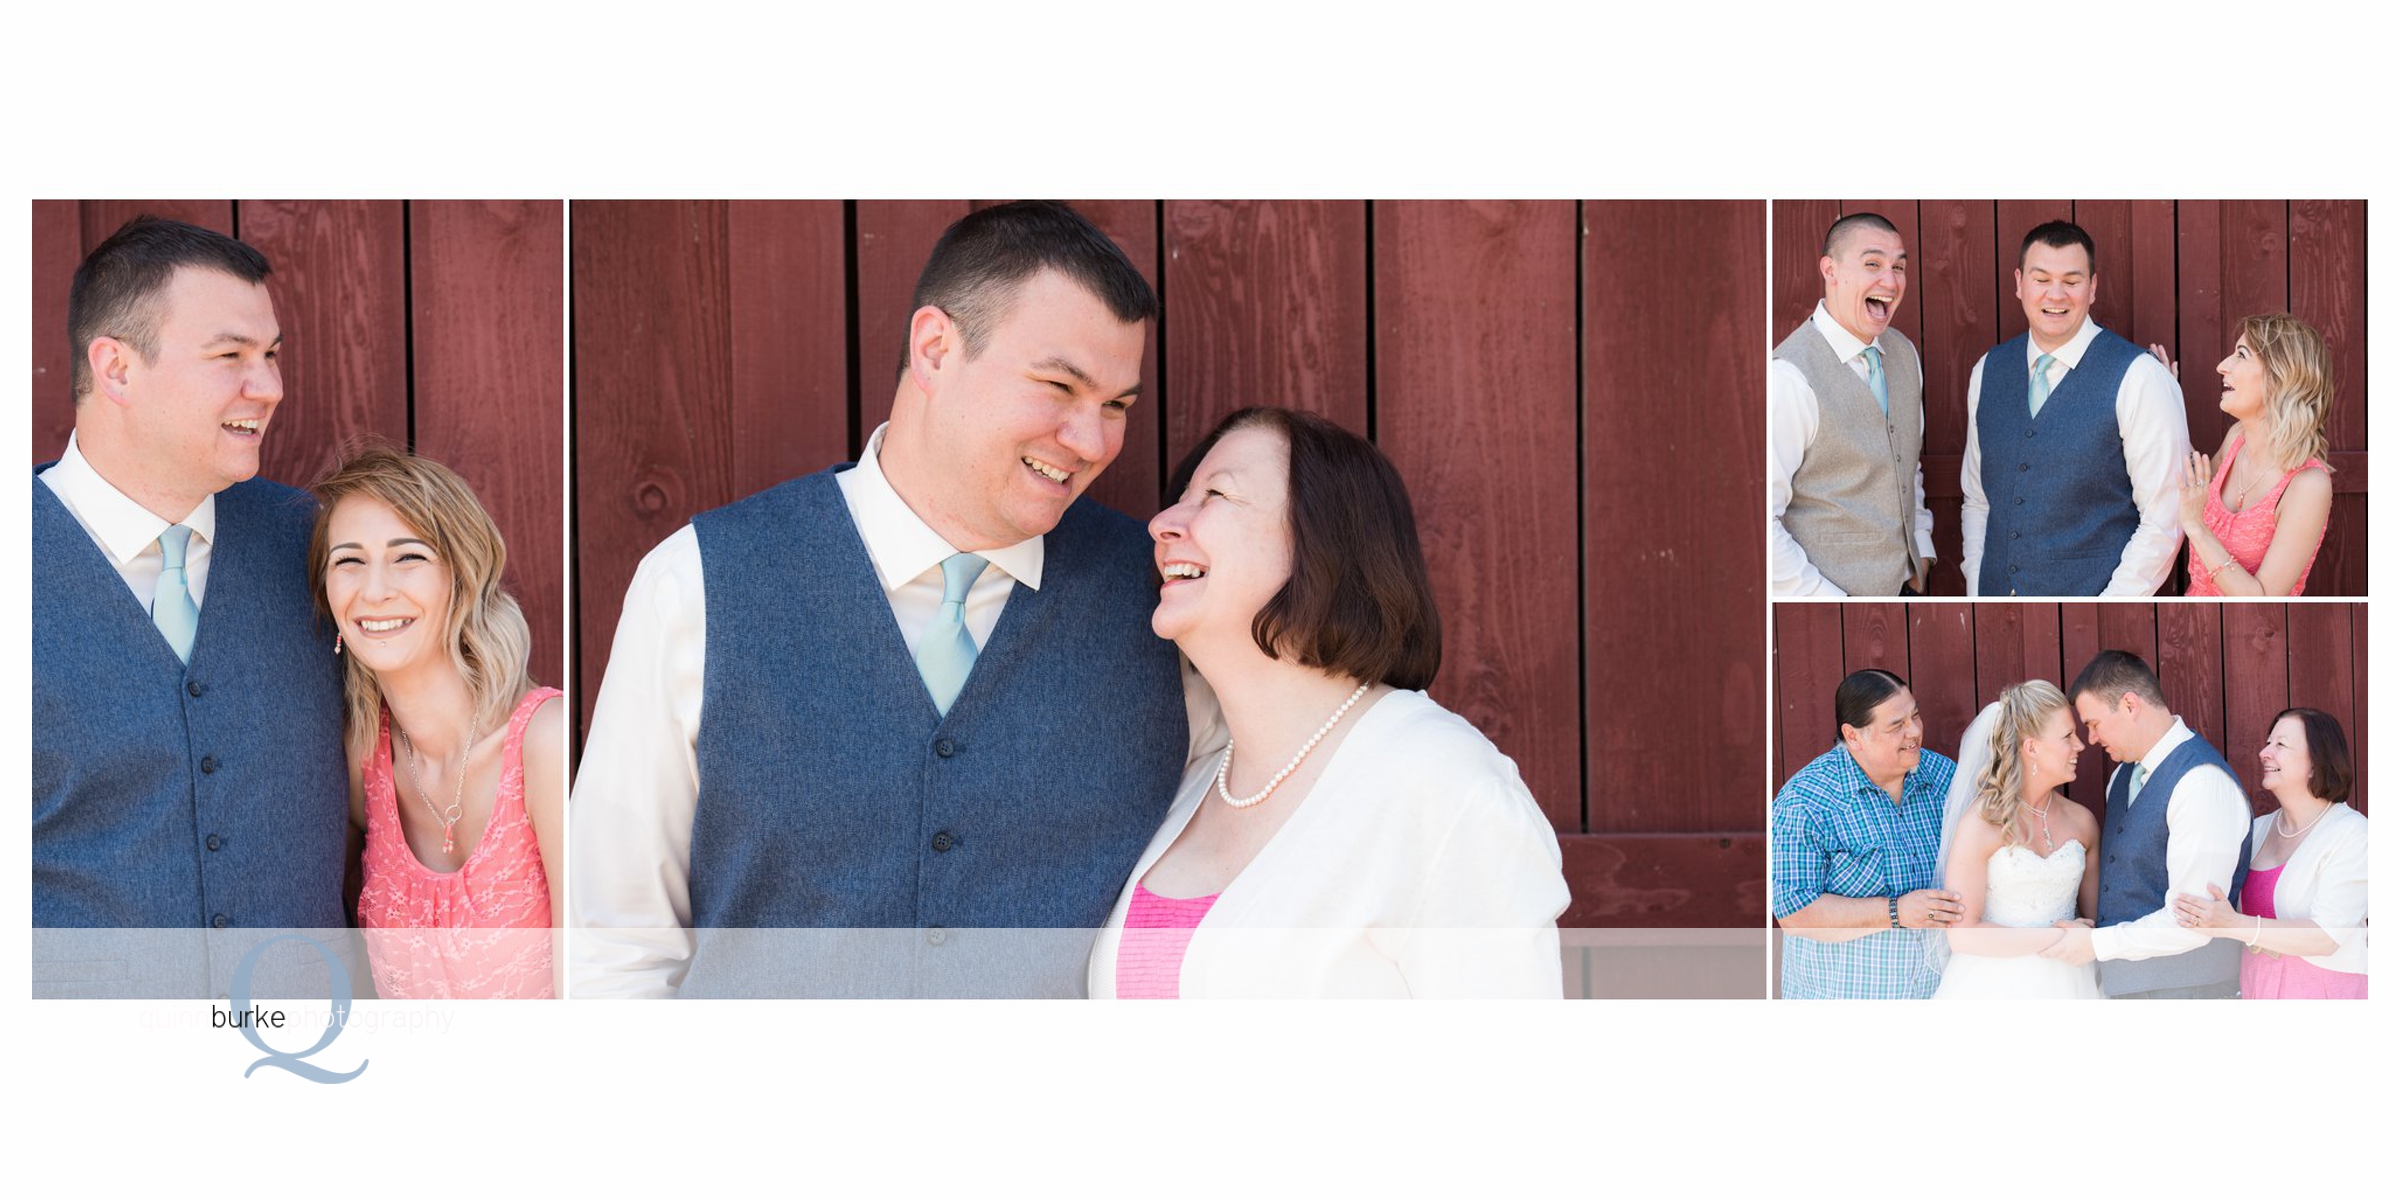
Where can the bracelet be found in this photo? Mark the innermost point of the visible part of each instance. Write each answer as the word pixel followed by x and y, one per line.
pixel 1894 902
pixel 2221 567
pixel 2257 929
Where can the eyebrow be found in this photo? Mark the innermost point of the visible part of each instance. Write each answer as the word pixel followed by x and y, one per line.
pixel 398 541
pixel 239 339
pixel 1060 364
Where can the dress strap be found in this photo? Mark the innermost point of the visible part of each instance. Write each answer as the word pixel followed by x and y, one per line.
pixel 511 801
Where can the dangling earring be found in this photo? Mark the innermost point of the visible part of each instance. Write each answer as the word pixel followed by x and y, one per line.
pixel 337 645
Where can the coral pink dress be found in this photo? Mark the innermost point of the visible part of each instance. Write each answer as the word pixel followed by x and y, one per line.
pixel 1158 929
pixel 481 932
pixel 2287 976
pixel 2246 534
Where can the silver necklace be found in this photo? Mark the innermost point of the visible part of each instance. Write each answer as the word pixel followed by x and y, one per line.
pixel 2043 814
pixel 1226 764
pixel 447 817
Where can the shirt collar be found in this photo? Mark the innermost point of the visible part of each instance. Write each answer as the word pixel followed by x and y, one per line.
pixel 900 543
pixel 120 524
pixel 1846 345
pixel 2176 735
pixel 2070 354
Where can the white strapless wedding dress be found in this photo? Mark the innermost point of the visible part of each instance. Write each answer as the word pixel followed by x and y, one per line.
pixel 2024 890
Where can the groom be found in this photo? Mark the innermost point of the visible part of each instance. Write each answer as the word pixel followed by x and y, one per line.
pixel 2176 823
pixel 2074 440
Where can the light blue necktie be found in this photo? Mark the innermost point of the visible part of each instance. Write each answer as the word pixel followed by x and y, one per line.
pixel 172 610
pixel 946 653
pixel 2134 792
pixel 1876 383
pixel 2040 394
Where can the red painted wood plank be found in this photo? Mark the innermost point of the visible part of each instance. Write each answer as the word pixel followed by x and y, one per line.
pixel 103 217
pixel 1799 230
pixel 2110 222
pixel 2151 283
pixel 1941 653
pixel 1674 589
pixel 2078 641
pixel 895 237
pixel 339 286
pixel 2011 221
pixel 1952 286
pixel 2258 685
pixel 1875 635
pixel 1270 307
pixel 2015 643
pixel 1808 666
pixel 488 331
pixel 57 248
pixel 787 333
pixel 2329 291
pixel 2191 665
pixel 2358 730
pixel 653 441
pixel 1666 881
pixel 2205 327
pixel 1478 301
pixel 2324 662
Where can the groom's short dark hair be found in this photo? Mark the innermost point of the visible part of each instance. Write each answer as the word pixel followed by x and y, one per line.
pixel 118 287
pixel 2112 673
pixel 1840 231
pixel 2059 235
pixel 975 269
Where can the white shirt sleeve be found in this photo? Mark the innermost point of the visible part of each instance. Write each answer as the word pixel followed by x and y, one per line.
pixel 1975 510
pixel 1924 522
pixel 2157 440
pixel 638 786
pixel 1486 920
pixel 1791 429
pixel 2207 818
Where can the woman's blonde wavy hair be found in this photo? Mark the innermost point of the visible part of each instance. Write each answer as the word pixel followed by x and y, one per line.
pixel 2298 370
pixel 485 631
pixel 2000 790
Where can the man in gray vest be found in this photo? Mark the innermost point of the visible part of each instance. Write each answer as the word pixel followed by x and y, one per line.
pixel 2070 474
pixel 1846 511
pixel 2176 824
pixel 900 727
pixel 187 716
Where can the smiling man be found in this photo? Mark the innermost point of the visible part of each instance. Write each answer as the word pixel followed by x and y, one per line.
pixel 2074 436
pixel 187 718
pixel 1846 511
pixel 916 697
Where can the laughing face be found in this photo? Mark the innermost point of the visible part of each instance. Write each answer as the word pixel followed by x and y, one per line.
pixel 1012 435
pixel 1865 277
pixel 387 586
pixel 199 406
pixel 1225 547
pixel 2050 758
pixel 2284 759
pixel 1891 744
pixel 2056 285
pixel 2245 376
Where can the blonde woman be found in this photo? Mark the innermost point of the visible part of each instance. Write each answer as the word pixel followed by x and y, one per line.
pixel 462 873
pixel 2254 520
pixel 2017 853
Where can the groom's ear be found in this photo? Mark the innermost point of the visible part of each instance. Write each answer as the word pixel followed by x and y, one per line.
pixel 934 343
pixel 111 362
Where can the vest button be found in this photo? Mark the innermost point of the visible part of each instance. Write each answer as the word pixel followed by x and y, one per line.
pixel 2024 466
pixel 208 765
pixel 936 936
pixel 2028 433
pixel 944 747
pixel 2020 500
pixel 2017 536
pixel 942 842
pixel 193 688
pixel 217 921
pixel 215 842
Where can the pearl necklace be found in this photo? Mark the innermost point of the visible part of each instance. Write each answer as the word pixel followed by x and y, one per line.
pixel 2303 830
pixel 1227 763
pixel 447 817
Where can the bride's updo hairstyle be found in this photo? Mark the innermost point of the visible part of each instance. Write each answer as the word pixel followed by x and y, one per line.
pixel 2000 791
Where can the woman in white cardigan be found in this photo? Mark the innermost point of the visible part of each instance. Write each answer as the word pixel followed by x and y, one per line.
pixel 1354 838
pixel 2303 911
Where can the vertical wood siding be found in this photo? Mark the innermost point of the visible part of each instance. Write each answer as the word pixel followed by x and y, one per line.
pixel 1564 432
pixel 428 324
pixel 2179 273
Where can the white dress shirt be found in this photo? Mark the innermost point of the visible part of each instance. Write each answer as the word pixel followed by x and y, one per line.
pixel 2207 817
pixel 1792 416
pixel 638 785
pixel 2149 421
pixel 128 533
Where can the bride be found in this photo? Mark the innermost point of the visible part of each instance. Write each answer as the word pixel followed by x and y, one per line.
pixel 2016 853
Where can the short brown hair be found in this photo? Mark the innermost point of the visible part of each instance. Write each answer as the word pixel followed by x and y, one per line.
pixel 2112 673
pixel 1360 600
pixel 2329 771
pixel 983 258
pixel 119 286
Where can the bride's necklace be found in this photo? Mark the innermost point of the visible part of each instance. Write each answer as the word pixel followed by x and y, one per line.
pixel 448 817
pixel 2042 814
pixel 1294 765
pixel 2303 830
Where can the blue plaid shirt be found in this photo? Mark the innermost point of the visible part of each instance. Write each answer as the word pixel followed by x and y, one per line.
pixel 1835 832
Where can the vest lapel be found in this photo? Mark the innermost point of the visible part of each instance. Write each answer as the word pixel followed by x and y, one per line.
pixel 77 566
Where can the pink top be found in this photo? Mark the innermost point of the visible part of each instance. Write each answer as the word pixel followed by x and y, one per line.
pixel 2246 534
pixel 1150 952
pixel 2287 976
pixel 481 932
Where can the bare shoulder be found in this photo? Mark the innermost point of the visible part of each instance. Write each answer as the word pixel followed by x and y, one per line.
pixel 2080 820
pixel 2313 486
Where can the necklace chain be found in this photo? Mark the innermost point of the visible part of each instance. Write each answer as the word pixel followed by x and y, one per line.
pixel 2303 830
pixel 1226 764
pixel 2043 814
pixel 449 817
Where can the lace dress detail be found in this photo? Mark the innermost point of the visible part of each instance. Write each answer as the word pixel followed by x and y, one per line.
pixel 2246 534
pixel 2024 890
pixel 481 932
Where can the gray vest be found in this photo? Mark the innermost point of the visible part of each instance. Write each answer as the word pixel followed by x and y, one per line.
pixel 2062 504
pixel 834 797
pixel 175 798
pixel 2133 875
pixel 1854 498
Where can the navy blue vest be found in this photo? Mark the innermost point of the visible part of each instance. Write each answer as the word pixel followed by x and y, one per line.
pixel 2133 875
pixel 834 796
pixel 2062 505
pixel 167 797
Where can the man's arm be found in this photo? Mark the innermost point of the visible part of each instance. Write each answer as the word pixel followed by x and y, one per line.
pixel 2157 441
pixel 630 835
pixel 2207 818
pixel 1791 428
pixel 1975 510
pixel 1924 518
